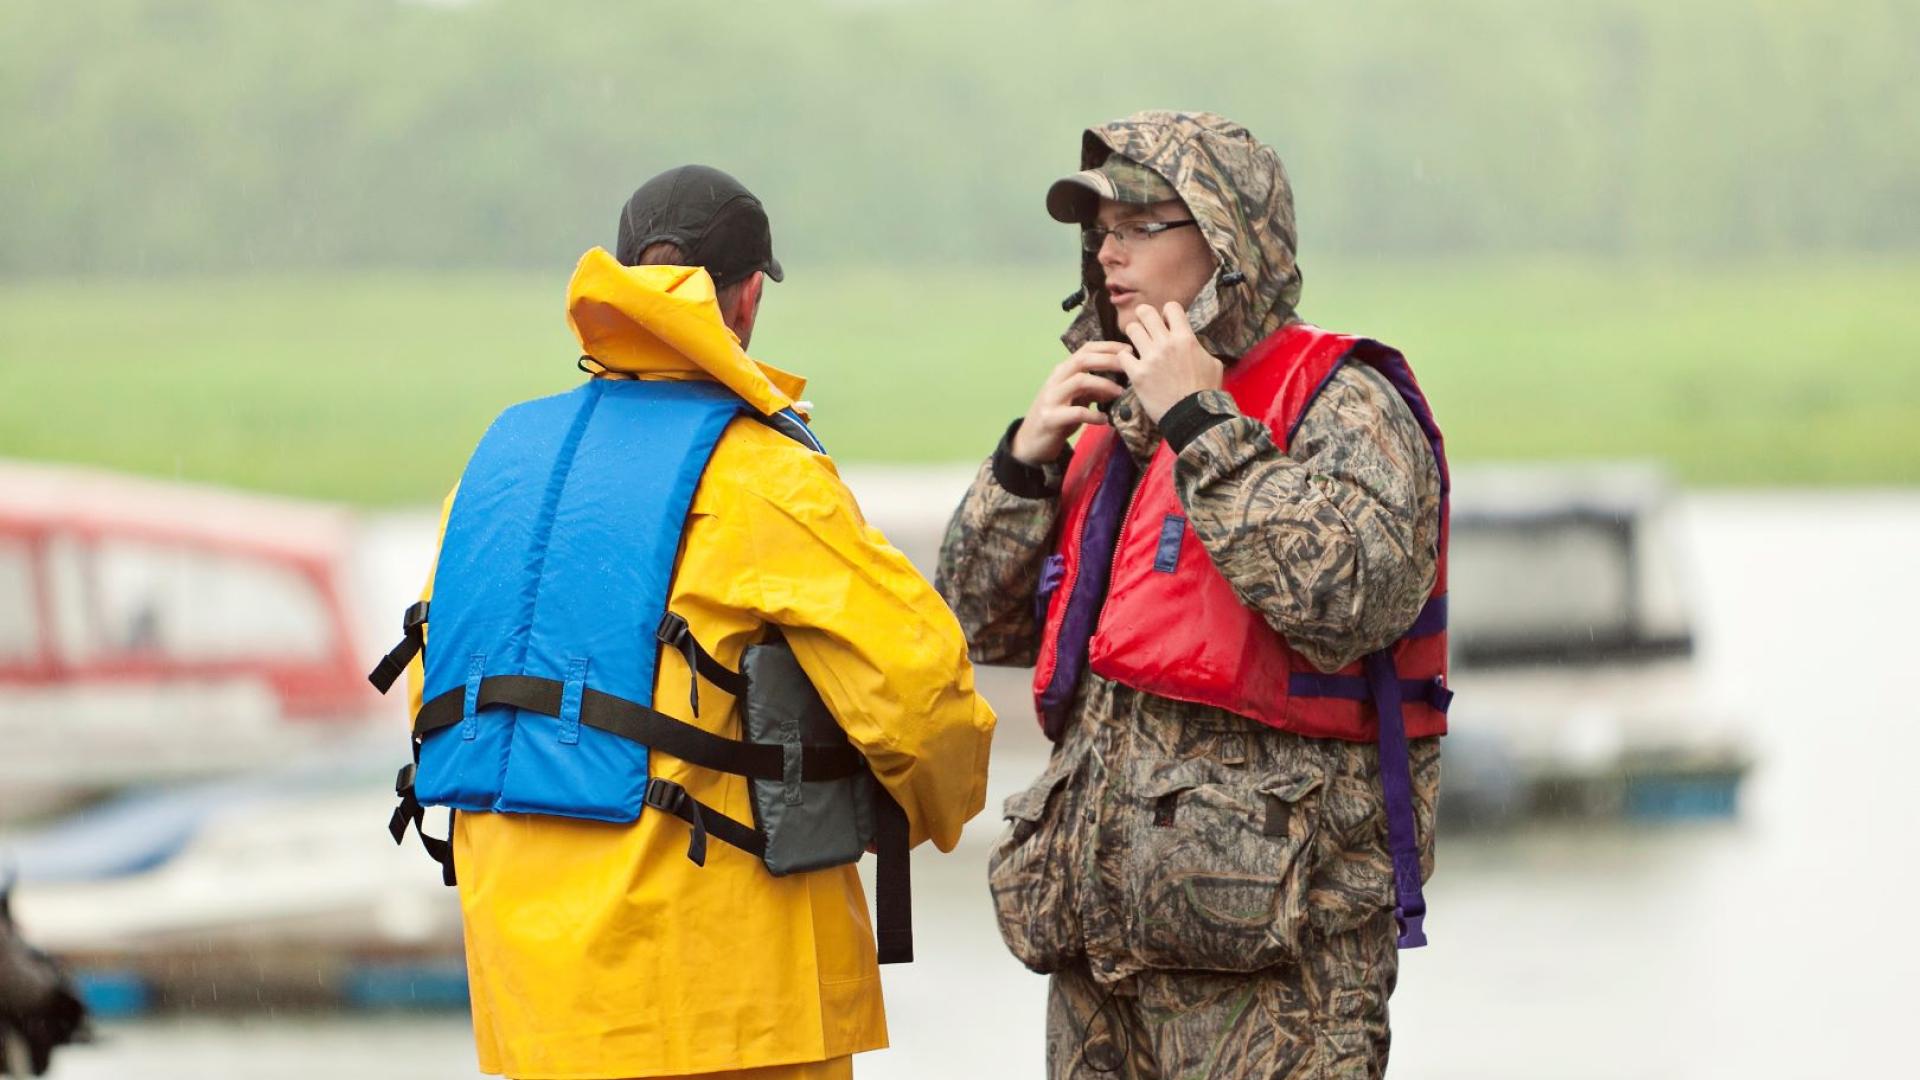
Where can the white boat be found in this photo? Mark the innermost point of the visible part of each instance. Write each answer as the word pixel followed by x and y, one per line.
pixel 1572 643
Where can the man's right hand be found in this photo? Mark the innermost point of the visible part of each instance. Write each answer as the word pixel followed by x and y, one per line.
pixel 1067 400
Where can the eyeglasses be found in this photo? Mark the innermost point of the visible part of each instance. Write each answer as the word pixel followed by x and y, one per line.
pixel 1127 233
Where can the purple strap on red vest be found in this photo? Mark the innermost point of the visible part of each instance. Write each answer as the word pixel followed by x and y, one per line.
pixel 1432 620
pixel 1396 783
pixel 1388 689
pixel 1098 533
pixel 1051 571
pixel 1432 691
pixel 1389 692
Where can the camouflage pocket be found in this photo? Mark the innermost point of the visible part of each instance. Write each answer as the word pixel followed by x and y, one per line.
pixel 1346 1052
pixel 1030 874
pixel 1213 863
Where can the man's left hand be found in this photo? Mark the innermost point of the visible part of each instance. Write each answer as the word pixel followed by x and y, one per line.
pixel 1167 362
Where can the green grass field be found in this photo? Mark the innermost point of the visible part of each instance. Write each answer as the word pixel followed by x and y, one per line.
pixel 372 389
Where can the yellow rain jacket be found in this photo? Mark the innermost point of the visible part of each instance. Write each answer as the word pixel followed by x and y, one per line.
pixel 599 950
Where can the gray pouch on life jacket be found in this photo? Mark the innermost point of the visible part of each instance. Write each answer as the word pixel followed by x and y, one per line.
pixel 809 825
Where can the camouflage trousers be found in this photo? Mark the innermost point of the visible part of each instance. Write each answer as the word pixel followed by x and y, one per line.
pixel 1324 1018
pixel 1212 897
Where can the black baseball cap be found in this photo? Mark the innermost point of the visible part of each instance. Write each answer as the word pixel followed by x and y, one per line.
pixel 717 222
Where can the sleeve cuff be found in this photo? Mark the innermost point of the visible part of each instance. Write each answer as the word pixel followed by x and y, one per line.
pixel 1190 416
pixel 1020 478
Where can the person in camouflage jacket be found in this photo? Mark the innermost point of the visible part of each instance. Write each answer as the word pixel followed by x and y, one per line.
pixel 1333 543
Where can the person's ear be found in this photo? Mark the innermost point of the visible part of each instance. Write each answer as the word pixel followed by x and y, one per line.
pixel 741 299
pixel 746 306
pixel 750 294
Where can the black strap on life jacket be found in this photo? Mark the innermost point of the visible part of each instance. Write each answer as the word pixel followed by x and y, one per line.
pixel 703 820
pixel 893 866
pixel 893 884
pixel 634 721
pixel 892 881
pixel 677 635
pixel 411 812
pixel 413 638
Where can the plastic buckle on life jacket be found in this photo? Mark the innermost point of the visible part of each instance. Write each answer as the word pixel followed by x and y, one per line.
pixel 671 798
pixel 673 630
pixel 674 633
pixel 409 811
pixel 412 640
pixel 1413 934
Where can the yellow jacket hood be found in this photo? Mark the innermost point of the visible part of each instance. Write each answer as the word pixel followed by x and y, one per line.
pixel 664 322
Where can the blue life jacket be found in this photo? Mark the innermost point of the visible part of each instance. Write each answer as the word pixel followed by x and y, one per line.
pixel 558 553
pixel 550 617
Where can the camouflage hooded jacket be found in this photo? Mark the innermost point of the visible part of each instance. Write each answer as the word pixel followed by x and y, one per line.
pixel 1334 544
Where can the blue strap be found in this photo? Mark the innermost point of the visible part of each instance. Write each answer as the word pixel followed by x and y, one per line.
pixel 571 692
pixel 1166 555
pixel 470 706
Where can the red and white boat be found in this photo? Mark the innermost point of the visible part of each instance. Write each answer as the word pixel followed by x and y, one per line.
pixel 154 631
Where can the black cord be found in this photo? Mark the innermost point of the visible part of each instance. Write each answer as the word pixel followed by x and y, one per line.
pixel 1119 1023
pixel 601 371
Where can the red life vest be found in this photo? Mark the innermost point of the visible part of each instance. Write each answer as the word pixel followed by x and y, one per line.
pixel 1158 616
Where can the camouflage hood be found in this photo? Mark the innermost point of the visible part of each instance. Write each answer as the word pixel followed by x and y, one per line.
pixel 1236 188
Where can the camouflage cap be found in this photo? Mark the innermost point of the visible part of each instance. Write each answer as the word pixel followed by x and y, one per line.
pixel 1234 186
pixel 1075 199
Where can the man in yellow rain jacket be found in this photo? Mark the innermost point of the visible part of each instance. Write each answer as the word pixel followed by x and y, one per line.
pixel 598 949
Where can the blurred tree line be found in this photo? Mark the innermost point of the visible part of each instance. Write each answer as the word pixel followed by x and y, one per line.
pixel 154 136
